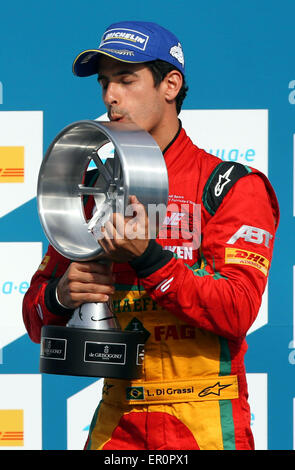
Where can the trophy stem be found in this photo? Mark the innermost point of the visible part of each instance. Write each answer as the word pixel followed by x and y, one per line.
pixel 94 316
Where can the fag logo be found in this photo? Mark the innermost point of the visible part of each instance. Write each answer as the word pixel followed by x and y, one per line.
pixel 222 181
pixel 174 332
pixel 11 428
pixel 251 234
pixel 213 390
pixel 248 258
pixel 12 164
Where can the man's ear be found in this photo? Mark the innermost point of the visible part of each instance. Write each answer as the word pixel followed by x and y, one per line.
pixel 173 83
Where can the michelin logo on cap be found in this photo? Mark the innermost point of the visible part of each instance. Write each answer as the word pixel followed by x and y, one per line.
pixel 125 36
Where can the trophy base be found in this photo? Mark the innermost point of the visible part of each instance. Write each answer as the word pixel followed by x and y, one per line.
pixel 92 353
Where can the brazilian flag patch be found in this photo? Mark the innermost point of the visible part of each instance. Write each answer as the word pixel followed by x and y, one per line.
pixel 134 393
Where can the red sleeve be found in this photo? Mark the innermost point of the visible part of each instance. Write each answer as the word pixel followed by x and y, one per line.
pixel 40 306
pixel 222 293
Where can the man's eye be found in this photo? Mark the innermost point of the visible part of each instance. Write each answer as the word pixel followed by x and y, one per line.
pixel 127 81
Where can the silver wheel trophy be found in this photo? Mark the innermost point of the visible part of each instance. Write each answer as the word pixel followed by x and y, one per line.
pixel 92 343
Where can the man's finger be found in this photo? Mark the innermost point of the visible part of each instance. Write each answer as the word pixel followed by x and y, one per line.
pixel 118 223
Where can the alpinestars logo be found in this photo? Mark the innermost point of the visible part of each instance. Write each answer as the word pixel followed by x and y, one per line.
pixel 213 390
pixel 223 180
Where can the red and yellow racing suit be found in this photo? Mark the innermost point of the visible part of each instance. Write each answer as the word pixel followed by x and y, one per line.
pixel 195 293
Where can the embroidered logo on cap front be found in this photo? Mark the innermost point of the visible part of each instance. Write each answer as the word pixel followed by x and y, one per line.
pixel 125 36
pixel 177 53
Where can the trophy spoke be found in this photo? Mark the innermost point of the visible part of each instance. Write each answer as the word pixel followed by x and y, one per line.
pixel 101 168
pixel 91 224
pixel 89 190
pixel 116 167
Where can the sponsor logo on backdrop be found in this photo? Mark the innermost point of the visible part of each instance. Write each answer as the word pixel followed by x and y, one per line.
pixel 240 155
pixel 257 387
pixel 12 164
pixel 291 96
pixel 80 409
pixel 11 428
pixel 18 264
pixel 10 288
pixel 20 411
pixel 235 135
pixel 291 356
pixel 291 345
pixel 294 175
pixel 21 150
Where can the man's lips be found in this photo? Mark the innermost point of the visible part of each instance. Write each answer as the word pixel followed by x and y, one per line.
pixel 116 117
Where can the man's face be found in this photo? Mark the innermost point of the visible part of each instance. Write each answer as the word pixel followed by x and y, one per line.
pixel 130 95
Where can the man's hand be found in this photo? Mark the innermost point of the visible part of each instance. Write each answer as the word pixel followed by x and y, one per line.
pixel 84 283
pixel 125 238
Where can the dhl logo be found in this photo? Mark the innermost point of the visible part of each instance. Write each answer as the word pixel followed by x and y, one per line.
pixel 11 428
pixel 12 164
pixel 236 256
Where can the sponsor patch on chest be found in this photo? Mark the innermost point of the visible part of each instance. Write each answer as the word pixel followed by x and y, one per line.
pixel 247 258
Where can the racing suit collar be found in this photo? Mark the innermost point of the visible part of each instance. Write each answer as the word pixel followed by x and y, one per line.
pixel 175 137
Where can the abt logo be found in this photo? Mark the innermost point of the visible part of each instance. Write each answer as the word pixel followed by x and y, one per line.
pixel 251 234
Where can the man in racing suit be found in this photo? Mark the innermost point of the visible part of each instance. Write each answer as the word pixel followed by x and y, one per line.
pixel 194 295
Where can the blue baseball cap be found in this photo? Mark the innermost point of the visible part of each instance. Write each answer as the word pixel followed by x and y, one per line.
pixel 132 41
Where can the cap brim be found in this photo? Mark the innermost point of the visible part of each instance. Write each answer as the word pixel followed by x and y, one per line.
pixel 83 68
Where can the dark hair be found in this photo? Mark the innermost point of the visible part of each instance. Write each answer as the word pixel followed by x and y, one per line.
pixel 159 69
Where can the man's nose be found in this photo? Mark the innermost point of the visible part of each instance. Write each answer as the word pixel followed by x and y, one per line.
pixel 111 95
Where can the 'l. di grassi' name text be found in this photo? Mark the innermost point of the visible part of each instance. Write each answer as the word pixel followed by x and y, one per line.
pixel 169 391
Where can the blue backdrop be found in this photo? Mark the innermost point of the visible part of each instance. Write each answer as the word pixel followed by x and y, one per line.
pixel 239 55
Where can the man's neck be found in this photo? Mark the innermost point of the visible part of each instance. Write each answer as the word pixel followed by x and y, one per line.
pixel 166 132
